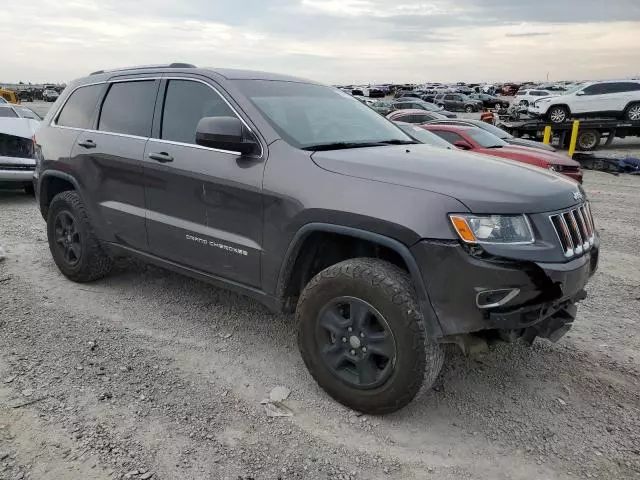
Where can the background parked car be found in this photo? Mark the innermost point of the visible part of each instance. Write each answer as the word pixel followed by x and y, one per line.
pixel 490 101
pixel 618 99
pixel 526 97
pixel 406 93
pixel 421 135
pixel 481 141
pixel 414 116
pixel 50 95
pixel 383 107
pixel 17 160
pixel 498 132
pixel 415 103
pixel 457 102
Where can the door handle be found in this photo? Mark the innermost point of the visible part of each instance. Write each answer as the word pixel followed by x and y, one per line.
pixel 87 144
pixel 162 157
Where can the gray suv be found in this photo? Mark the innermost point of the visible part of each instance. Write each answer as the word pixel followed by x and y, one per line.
pixel 303 198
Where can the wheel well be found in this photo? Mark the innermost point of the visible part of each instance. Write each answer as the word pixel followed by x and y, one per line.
pixel 631 104
pixel 49 188
pixel 563 105
pixel 320 250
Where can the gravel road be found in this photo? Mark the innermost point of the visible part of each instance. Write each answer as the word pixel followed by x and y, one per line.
pixel 147 374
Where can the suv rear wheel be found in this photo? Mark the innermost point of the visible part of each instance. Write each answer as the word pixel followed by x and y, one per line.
pixel 362 337
pixel 469 109
pixel 73 244
pixel 558 114
pixel 633 112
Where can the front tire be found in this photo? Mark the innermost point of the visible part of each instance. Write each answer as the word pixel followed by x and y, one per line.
pixel 558 114
pixel 362 337
pixel 469 109
pixel 74 246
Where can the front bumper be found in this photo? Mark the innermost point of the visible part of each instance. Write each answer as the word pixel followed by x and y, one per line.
pixel 16 169
pixel 546 294
pixel 537 110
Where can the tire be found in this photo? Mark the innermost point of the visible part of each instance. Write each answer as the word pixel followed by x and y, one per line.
pixel 469 109
pixel 524 103
pixel 588 140
pixel 29 190
pixel 440 106
pixel 89 261
pixel 632 113
pixel 558 114
pixel 387 289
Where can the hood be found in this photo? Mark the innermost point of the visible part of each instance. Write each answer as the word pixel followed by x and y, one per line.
pixel 484 184
pixel 19 127
pixel 524 142
pixel 553 158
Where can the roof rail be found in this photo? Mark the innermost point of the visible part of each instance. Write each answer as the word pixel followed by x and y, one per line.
pixel 142 67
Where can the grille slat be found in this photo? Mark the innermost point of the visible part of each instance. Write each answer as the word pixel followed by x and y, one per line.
pixel 575 230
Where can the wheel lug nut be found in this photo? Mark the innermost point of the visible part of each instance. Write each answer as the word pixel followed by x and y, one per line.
pixel 361 334
pixel 350 329
pixel 352 352
pixel 364 349
pixel 344 339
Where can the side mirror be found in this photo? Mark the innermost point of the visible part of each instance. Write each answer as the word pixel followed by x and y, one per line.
pixel 462 145
pixel 225 133
pixel 580 93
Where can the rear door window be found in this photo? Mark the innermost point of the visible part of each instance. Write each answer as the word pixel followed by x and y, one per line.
pixel 7 113
pixel 128 108
pixel 79 108
pixel 448 136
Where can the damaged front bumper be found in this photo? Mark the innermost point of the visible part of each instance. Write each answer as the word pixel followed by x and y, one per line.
pixel 523 298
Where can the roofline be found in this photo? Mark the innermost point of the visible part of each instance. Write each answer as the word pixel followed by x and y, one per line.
pixel 145 67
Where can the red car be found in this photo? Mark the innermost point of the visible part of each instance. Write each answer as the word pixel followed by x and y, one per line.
pixel 481 141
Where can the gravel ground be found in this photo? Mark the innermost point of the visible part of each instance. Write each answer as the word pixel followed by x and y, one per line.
pixel 147 374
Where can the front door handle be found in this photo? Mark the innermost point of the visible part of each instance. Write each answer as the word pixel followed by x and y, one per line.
pixel 87 144
pixel 162 157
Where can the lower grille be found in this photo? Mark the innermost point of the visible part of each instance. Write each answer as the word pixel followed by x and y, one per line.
pixel 575 230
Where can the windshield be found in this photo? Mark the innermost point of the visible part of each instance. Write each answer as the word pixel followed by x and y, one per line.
pixel 428 106
pixel 307 115
pixel 498 132
pixel 28 113
pixel 486 139
pixel 424 136
pixel 574 89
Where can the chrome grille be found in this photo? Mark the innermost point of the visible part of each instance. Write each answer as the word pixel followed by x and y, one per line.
pixel 575 230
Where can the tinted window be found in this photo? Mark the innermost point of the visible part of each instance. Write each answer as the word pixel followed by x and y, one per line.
pixel 448 136
pixel 28 113
pixel 597 89
pixel 630 86
pixel 185 103
pixel 79 108
pixel 7 113
pixel 128 108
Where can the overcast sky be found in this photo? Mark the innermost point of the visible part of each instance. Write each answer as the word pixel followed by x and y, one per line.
pixel 334 41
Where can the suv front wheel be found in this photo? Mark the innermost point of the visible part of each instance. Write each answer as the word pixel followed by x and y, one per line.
pixel 558 114
pixel 362 337
pixel 73 244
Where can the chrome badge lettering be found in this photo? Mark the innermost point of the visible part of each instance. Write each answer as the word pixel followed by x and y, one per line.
pixel 221 246
pixel 577 196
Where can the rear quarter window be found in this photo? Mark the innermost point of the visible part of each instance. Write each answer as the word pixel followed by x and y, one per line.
pixel 79 108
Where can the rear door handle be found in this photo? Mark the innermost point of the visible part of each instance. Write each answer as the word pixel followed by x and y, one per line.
pixel 162 157
pixel 87 144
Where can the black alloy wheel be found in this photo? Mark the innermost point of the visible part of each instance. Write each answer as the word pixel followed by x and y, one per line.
pixel 355 342
pixel 67 238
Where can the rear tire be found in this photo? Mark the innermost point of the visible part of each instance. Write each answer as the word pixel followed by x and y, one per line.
pixel 74 246
pixel 469 109
pixel 632 113
pixel 558 114
pixel 409 359
pixel 588 140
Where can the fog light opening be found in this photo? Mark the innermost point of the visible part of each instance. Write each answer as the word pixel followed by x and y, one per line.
pixel 496 298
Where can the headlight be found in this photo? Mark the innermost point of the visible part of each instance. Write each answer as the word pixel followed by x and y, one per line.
pixel 503 229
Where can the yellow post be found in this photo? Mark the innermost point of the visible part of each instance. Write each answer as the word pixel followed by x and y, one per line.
pixel 547 135
pixel 574 137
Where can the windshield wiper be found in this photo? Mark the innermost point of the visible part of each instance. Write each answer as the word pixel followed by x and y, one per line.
pixel 344 145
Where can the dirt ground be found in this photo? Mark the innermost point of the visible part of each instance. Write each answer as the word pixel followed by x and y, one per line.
pixel 147 374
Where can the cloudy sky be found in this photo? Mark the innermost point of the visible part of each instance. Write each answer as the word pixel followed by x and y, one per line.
pixel 335 41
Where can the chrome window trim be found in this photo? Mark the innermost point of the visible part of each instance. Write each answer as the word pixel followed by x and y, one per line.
pixel 228 104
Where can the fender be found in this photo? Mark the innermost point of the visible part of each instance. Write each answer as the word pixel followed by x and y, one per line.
pixel 56 174
pixel 428 313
